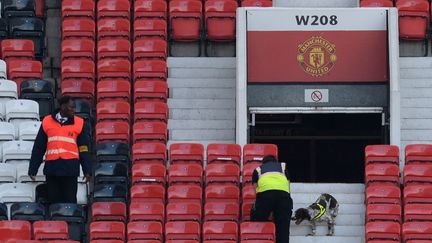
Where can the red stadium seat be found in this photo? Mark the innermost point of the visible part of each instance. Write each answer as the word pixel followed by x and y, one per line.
pixel 417 212
pixel 78 8
pixel 256 152
pixel 15 229
pixel 150 9
pixel 221 211
pixel 17 48
pixel 376 3
pixel 384 212
pixel 416 153
pixel 114 68
pixel 77 69
pixel 383 194
pixel 112 110
pixel 248 198
pixel 50 230
pixel 150 48
pixel 222 193
pixel 382 173
pixel 413 19
pixel 149 230
pixel 186 153
pixel 257 231
pixel 182 230
pixel 382 154
pixel 416 231
pixel 154 28
pixel 184 193
pixel 78 48
pixel 417 173
pixel 33 241
pixel 184 211
pixel 109 28
pixel 383 230
pixel 256 3
pixel 78 28
pixel 147 193
pixel 106 241
pixel 108 211
pixel 114 48
pixel 222 173
pixel 220 19
pixel 185 173
pixel 107 230
pixel 146 70
pixel 61 241
pixel 150 111
pixel 143 241
pixel 114 89
pixel 19 70
pixel 417 193
pixel 40 8
pixel 113 9
pixel 182 241
pixel 148 173
pixel 78 89
pixel 219 241
pixel 185 18
pixel 220 230
pixel 248 170
pixel 149 153
pixel 151 90
pixel 147 211
pixel 258 241
pixel 150 132
pixel 230 153
pixel 109 131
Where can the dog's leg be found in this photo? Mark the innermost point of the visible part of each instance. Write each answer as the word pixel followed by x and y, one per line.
pixel 313 227
pixel 330 226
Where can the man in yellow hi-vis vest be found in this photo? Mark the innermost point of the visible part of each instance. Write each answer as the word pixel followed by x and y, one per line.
pixel 272 184
pixel 64 140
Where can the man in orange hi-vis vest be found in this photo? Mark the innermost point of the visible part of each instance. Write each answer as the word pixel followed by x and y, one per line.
pixel 64 140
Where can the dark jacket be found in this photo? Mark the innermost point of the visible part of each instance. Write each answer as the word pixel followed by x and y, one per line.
pixel 60 167
pixel 269 167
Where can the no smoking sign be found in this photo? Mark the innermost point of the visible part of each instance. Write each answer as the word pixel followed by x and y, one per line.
pixel 316 95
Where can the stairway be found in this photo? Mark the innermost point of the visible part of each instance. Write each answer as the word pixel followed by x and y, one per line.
pixel 416 100
pixel 350 221
pixel 201 100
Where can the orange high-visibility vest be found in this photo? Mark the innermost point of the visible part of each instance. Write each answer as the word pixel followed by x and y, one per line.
pixel 62 140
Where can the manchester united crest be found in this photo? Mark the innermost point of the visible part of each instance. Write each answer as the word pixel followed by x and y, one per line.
pixel 316 56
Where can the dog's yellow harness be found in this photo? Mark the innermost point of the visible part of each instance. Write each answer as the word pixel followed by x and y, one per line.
pixel 321 213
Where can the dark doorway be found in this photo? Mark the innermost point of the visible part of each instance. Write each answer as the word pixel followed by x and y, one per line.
pixel 321 147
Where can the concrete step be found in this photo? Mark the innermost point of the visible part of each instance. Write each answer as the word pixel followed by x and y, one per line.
pixel 308 198
pixel 200 124
pixel 205 134
pixel 341 219
pixel 340 230
pixel 203 93
pixel 326 239
pixel 416 124
pixel 416 102
pixel 421 113
pixel 344 208
pixel 416 73
pixel 324 188
pixel 420 135
pixel 415 83
pixel 198 82
pixel 416 93
pixel 415 62
pixel 202 72
pixel 199 62
pixel 201 103
pixel 202 114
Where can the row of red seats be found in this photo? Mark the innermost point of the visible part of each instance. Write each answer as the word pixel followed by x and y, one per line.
pixel 182 230
pixel 39 230
pixel 412 232
pixel 383 193
pixel 17 49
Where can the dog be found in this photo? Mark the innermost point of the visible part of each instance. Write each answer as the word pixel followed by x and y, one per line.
pixel 325 209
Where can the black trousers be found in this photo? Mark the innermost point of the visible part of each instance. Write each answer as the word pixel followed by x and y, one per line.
pixel 280 204
pixel 62 189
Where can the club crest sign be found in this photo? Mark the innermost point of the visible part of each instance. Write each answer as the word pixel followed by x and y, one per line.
pixel 316 56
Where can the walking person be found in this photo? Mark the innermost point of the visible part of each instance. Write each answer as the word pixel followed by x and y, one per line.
pixel 64 140
pixel 271 181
